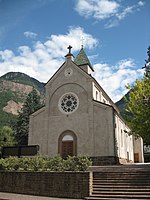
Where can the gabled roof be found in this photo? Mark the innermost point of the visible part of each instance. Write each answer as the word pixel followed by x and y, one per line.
pixel 82 59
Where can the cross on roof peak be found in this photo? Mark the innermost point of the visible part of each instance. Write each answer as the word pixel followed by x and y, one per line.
pixel 69 47
pixel 82 40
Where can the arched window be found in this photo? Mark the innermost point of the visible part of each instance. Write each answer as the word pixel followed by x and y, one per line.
pixel 122 138
pixel 67 144
pixel 67 138
pixel 96 95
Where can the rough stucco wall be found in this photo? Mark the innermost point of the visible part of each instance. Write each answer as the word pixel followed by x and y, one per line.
pixel 78 122
pixel 103 130
pixel 55 122
pixel 93 126
pixel 124 141
pixel 138 148
pixel 38 131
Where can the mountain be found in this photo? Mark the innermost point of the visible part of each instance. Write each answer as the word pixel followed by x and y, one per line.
pixel 24 79
pixel 14 87
pixel 121 104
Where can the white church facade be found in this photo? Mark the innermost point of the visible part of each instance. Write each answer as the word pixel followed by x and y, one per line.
pixel 79 118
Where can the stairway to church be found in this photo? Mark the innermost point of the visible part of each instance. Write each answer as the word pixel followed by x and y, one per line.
pixel 121 182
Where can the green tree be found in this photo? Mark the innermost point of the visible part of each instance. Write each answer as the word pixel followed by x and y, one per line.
pixel 32 103
pixel 138 107
pixel 147 64
pixel 6 137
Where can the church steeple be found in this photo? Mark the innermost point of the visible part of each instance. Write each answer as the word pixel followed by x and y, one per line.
pixel 83 61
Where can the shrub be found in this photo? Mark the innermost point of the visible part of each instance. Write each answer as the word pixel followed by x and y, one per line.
pixel 54 164
pixel 11 163
pixel 24 163
pixel 40 163
pixel 80 163
pixel 36 163
pixel 2 164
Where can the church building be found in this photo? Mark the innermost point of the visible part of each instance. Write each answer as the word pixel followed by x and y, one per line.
pixel 79 118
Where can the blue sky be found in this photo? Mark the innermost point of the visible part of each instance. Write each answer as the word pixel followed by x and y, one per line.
pixel 34 35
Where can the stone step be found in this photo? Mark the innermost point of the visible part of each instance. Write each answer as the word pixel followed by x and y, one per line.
pixel 123 172
pixel 135 181
pixel 123 196
pixel 105 198
pixel 111 184
pixel 124 178
pixel 121 182
pixel 129 189
pixel 114 198
pixel 119 175
pixel 97 198
pixel 138 187
pixel 122 168
pixel 111 192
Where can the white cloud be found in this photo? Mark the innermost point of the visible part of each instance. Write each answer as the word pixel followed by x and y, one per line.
pixel 56 45
pixel 114 78
pixel 43 59
pixel 125 64
pixel 110 10
pixel 141 3
pixel 125 12
pixel 30 34
pixel 99 9
pixel 129 9
pixel 6 55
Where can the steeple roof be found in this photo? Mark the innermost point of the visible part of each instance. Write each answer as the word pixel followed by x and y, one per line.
pixel 82 59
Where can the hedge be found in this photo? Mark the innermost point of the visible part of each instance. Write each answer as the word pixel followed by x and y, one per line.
pixel 40 163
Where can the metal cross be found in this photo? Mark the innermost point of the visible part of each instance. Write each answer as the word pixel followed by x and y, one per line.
pixel 82 39
pixel 70 47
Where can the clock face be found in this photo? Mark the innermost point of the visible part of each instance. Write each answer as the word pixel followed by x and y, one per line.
pixel 68 103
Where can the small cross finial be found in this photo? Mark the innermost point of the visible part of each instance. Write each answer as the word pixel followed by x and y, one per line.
pixel 82 39
pixel 70 47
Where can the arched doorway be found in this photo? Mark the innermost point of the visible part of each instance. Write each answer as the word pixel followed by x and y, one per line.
pixel 67 144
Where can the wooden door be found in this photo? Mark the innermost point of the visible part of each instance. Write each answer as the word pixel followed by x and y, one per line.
pixel 67 149
pixel 136 157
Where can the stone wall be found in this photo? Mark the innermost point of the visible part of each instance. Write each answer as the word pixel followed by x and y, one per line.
pixel 52 184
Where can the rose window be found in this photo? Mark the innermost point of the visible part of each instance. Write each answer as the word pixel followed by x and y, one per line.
pixel 68 103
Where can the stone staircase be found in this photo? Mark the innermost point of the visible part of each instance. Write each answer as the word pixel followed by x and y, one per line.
pixel 121 182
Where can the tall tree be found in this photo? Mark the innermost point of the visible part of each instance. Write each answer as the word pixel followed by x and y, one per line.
pixel 147 64
pixel 6 137
pixel 32 103
pixel 138 111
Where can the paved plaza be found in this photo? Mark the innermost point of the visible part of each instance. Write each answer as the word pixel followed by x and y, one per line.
pixel 10 196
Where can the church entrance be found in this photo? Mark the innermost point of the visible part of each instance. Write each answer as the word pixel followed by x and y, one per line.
pixel 67 149
pixel 67 144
